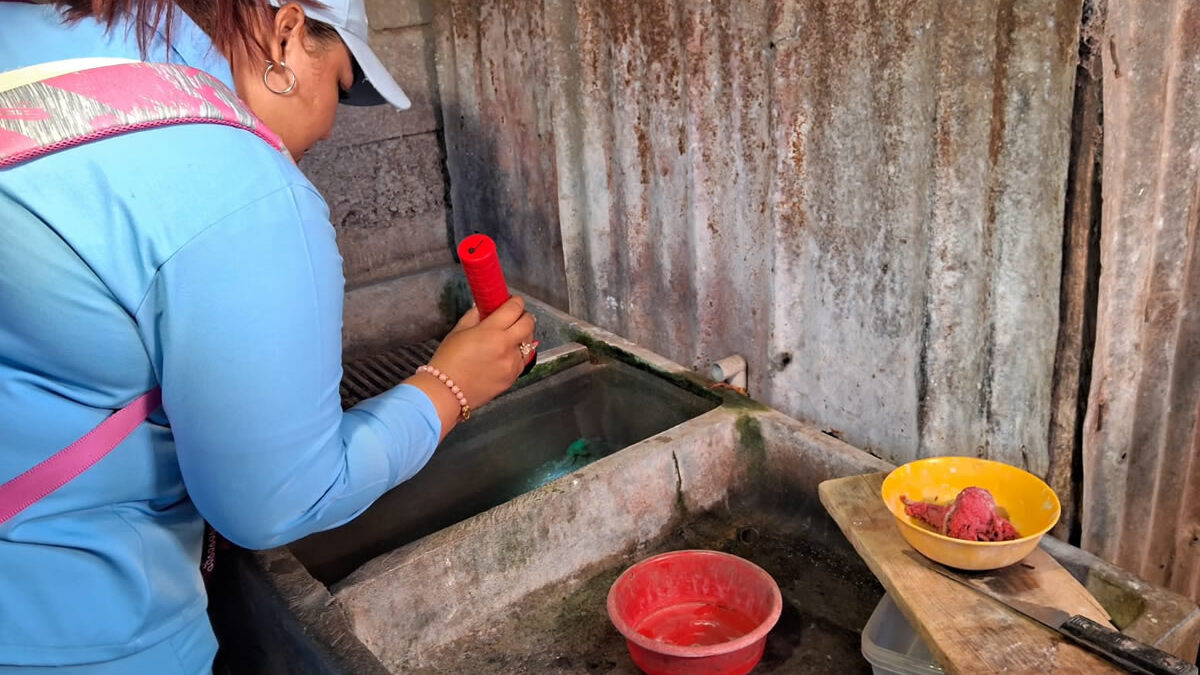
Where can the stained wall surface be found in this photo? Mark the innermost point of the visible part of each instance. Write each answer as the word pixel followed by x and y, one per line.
pixel 864 198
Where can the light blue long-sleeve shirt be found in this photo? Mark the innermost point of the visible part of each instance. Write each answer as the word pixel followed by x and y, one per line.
pixel 199 258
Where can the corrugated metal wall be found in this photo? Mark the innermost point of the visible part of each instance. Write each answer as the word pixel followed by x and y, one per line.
pixel 1141 433
pixel 865 198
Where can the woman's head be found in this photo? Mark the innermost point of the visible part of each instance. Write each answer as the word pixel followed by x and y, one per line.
pixel 293 76
pixel 290 68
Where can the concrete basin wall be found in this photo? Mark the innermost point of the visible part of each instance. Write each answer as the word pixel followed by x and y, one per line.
pixel 448 584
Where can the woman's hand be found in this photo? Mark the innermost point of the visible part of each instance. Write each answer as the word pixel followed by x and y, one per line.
pixel 482 357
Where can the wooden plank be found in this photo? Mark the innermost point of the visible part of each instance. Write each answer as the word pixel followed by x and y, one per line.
pixel 965 631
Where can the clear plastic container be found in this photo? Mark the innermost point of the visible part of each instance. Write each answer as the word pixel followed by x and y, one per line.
pixel 891 645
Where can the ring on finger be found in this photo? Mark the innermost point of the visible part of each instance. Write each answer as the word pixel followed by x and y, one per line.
pixel 525 349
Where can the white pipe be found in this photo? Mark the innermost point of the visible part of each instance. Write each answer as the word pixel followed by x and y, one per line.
pixel 731 370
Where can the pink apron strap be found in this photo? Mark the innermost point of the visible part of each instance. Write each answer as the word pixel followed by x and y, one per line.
pixel 19 493
pixel 67 110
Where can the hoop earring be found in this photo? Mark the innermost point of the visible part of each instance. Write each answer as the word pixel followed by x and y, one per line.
pixel 290 73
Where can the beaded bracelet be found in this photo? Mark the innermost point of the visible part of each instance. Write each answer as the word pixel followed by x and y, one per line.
pixel 465 412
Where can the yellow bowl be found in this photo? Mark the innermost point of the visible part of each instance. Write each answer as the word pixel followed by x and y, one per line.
pixel 1022 497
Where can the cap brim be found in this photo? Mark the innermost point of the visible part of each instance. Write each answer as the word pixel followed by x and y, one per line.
pixel 377 86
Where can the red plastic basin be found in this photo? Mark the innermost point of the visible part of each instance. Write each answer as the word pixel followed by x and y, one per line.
pixel 693 612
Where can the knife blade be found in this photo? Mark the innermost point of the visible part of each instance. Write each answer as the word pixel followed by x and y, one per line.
pixel 1115 646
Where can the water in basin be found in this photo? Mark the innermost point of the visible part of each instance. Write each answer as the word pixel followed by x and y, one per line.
pixel 521 441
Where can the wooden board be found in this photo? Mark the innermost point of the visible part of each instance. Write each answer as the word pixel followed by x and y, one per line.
pixel 967 632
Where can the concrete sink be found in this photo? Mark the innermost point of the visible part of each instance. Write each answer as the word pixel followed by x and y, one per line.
pixel 570 412
pixel 487 563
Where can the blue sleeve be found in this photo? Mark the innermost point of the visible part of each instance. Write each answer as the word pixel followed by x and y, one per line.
pixel 244 324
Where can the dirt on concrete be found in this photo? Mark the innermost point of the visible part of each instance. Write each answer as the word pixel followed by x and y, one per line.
pixel 566 629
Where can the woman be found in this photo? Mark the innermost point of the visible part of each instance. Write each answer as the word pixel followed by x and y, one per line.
pixel 198 259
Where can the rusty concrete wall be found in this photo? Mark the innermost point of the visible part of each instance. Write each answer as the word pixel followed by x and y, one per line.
pixel 863 197
pixel 383 175
pixel 1141 434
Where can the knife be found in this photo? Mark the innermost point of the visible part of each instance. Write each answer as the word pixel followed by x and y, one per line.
pixel 1125 651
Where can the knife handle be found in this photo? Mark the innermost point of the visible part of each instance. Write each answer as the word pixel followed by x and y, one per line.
pixel 1135 656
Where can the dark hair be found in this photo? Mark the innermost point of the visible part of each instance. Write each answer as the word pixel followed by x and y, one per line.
pixel 229 23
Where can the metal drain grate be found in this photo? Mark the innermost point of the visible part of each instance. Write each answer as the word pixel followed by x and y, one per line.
pixel 373 375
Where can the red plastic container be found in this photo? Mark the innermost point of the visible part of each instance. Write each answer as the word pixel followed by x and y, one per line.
pixel 695 612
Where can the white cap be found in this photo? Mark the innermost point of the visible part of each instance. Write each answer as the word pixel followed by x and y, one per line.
pixel 373 84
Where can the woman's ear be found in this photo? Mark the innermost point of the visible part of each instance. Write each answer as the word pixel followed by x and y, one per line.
pixel 289 29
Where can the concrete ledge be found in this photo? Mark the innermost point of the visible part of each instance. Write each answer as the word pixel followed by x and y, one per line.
pixel 387 14
pixel 409 246
pixel 405 310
